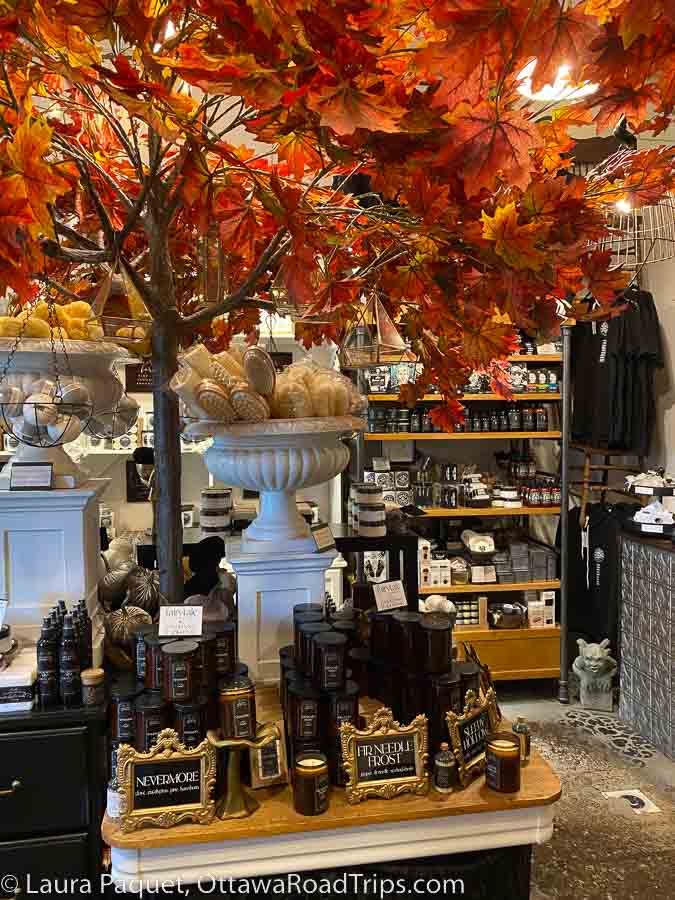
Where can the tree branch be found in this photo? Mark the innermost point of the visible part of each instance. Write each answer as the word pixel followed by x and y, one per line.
pixel 45 279
pixel 70 233
pixel 106 224
pixel 150 298
pixel 54 250
pixel 275 250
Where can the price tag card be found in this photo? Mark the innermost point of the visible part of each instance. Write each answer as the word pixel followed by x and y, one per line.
pixel 180 621
pixel 31 476
pixel 390 595
pixel 323 537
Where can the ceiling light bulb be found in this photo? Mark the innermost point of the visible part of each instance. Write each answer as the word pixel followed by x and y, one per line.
pixel 624 206
pixel 170 31
pixel 561 89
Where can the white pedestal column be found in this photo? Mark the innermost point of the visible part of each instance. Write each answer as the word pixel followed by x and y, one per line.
pixel 268 586
pixel 49 551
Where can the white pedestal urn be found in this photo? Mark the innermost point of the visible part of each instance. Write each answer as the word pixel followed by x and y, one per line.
pixel 277 458
pixel 276 562
pixel 44 412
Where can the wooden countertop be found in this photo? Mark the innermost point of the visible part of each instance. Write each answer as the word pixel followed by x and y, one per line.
pixel 276 816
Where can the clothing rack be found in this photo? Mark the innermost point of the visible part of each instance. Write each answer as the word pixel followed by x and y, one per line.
pixel 588 485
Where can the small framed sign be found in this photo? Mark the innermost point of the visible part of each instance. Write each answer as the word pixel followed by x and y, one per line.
pixel 385 759
pixel 390 595
pixel 323 537
pixel 180 621
pixel 167 785
pixel 31 476
pixel 268 762
pixel 469 731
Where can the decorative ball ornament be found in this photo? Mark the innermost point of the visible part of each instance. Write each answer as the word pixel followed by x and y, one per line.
pixel 77 397
pixel 65 429
pixel 118 624
pixel 143 590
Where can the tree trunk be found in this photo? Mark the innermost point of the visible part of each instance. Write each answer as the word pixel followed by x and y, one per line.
pixel 168 522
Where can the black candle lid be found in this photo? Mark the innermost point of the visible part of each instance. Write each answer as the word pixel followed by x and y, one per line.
pixel 345 627
pixel 153 640
pixel 376 614
pixel 310 615
pixel 303 688
pixel 407 616
pixel 150 700
pixel 125 689
pixel 180 648
pixel 311 628
pixel 330 639
pixel 307 607
pixel 222 628
pixel 208 637
pixel 436 621
pixel 347 613
pixel 240 671
pixel 236 683
pixel 447 679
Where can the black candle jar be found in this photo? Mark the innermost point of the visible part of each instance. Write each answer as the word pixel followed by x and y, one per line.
pixel 405 639
pixel 154 661
pixel 435 642
pixel 286 664
pixel 349 628
pixel 225 650
pixel 384 682
pixel 139 634
pixel 303 710
pixel 502 762
pixel 328 660
pixel 300 619
pixel 338 707
pixel 357 659
pixel 189 720
pixel 204 662
pixel 415 696
pixel 307 607
pixel 123 721
pixel 469 675
pixel 152 715
pixel 237 709
pixel 307 632
pixel 446 696
pixel 345 614
pixel 381 624
pixel 178 679
pixel 310 784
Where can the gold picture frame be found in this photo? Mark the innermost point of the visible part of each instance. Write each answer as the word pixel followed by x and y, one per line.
pixel 468 732
pixel 168 752
pixel 402 747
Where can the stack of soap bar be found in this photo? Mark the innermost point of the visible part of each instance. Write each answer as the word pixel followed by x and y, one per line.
pixel 17 682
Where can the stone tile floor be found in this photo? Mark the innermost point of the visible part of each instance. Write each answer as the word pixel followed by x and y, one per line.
pixel 600 849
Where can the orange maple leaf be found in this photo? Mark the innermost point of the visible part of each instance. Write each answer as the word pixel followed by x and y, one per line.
pixel 487 340
pixel 299 155
pixel 42 183
pixel 603 282
pixel 513 242
pixel 344 108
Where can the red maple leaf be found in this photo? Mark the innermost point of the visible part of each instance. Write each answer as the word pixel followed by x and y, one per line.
pixel 297 272
pixel 487 340
pixel 559 36
pixel 603 282
pixel 344 108
pixel 448 415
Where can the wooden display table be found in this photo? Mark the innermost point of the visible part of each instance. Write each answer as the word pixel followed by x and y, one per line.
pixel 276 840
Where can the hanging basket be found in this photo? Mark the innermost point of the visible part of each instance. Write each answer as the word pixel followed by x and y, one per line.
pixel 373 340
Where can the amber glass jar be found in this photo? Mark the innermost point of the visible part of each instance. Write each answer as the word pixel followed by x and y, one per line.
pixel 122 715
pixel 237 709
pixel 328 660
pixel 310 784
pixel 380 624
pixel 138 635
pixel 303 709
pixel 152 715
pixel 435 642
pixel 189 720
pixel 469 675
pixel 225 650
pixel 357 660
pixel 303 618
pixel 502 762
pixel 178 679
pixel 405 639
pixel 308 631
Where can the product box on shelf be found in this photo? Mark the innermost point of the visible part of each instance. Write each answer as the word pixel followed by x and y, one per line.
pixel 17 682
pixel 389 497
pixel 403 498
pixel 402 480
pixel 379 379
pixel 540 608
pixel 384 479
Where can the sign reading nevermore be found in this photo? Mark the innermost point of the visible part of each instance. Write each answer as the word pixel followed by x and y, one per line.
pixel 385 759
pixel 469 732
pixel 167 785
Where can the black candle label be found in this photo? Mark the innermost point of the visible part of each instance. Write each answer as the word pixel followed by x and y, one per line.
pixel 113 764
pixel 179 681
pixel 321 793
pixel 331 671
pixel 191 730
pixel 268 761
pixel 140 660
pixel 224 656
pixel 493 771
pixel 153 726
pixel 308 718
pixel 242 718
pixel 159 667
pixel 344 711
pixel 125 720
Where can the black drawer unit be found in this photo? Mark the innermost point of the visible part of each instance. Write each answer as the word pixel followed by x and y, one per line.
pixel 52 794
pixel 55 861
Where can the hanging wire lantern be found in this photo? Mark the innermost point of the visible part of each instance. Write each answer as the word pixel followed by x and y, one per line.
pixel 373 339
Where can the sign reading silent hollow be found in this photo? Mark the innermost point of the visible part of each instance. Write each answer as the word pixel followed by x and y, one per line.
pixel 167 785
pixel 385 758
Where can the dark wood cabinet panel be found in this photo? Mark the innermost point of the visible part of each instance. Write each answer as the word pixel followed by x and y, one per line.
pixel 55 859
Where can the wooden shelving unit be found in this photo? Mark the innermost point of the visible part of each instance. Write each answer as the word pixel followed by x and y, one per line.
pixel 491 588
pixel 494 398
pixel 536 358
pixel 465 436
pixel 514 654
pixel 464 512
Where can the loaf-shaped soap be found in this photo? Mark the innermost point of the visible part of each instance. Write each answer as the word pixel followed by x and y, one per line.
pixel 291 399
pixel 230 364
pixel 248 405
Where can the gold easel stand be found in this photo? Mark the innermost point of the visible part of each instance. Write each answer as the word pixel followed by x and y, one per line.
pixel 238 802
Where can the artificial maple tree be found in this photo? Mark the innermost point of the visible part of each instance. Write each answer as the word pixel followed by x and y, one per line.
pixel 144 138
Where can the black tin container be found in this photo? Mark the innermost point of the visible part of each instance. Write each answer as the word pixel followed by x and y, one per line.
pixel 405 639
pixel 469 675
pixel 307 631
pixel 225 650
pixel 178 675
pixel 122 715
pixel 446 696
pixel 357 660
pixel 152 715
pixel 338 707
pixel 204 662
pixel 380 624
pixel 300 619
pixel 303 710
pixel 328 660
pixel 435 642
pixel 189 720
